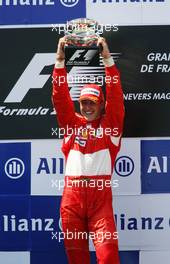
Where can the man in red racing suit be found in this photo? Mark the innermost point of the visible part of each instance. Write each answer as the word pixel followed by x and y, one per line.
pixel 90 145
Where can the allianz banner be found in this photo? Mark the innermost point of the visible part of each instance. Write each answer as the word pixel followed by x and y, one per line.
pixel 138 12
pixel 27 59
pixel 24 12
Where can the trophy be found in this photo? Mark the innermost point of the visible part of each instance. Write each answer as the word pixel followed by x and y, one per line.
pixel 81 42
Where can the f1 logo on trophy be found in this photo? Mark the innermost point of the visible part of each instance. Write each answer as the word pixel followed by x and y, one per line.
pixel 81 38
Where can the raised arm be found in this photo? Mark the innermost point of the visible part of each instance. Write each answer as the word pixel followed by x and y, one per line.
pixel 114 108
pixel 60 96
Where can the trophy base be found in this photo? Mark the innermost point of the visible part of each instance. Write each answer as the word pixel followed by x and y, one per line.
pixel 82 56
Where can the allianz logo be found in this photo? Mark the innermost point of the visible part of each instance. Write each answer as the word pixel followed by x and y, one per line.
pixel 14 168
pixel 66 3
pixel 50 165
pixel 69 3
pixel 124 166
pixel 123 222
pixel 158 164
pixel 13 223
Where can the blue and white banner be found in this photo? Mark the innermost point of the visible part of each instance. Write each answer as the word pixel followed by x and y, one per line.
pixel 137 12
pixel 24 12
pixel 32 181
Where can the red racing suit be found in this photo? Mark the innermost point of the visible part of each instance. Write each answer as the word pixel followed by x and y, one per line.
pixel 86 209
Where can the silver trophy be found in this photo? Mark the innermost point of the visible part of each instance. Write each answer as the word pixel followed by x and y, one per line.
pixel 82 32
pixel 81 38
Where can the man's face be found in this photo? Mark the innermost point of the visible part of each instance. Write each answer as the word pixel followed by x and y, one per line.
pixel 90 110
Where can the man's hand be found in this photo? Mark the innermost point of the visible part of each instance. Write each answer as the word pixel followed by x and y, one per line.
pixel 105 53
pixel 60 55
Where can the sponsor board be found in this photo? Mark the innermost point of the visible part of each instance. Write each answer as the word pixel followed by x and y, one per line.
pixel 48 168
pixel 143 221
pixel 25 97
pixel 138 12
pixel 33 223
pixel 19 12
pixel 38 168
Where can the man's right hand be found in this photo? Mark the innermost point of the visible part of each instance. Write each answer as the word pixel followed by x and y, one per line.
pixel 60 55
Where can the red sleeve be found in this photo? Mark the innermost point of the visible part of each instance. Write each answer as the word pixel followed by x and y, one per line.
pixel 114 109
pixel 61 99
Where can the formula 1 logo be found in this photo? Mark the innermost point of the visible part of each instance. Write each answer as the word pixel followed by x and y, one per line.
pixel 31 78
pixel 69 3
pixel 81 57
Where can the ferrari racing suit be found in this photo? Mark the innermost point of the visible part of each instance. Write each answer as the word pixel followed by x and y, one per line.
pixel 86 210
